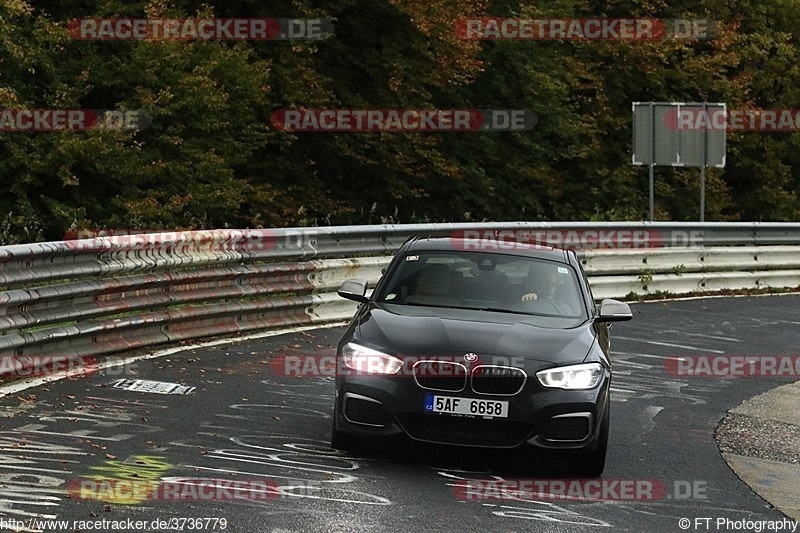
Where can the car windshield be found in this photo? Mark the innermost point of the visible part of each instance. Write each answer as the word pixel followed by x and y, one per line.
pixel 484 281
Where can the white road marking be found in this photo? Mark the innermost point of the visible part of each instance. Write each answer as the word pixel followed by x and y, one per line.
pixel 657 343
pixel 113 361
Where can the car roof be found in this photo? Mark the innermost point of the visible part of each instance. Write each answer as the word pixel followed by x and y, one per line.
pixel 458 244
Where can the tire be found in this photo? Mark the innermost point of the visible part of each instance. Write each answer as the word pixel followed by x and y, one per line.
pixel 591 463
pixel 339 439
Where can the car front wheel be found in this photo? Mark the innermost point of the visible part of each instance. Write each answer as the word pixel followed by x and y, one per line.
pixel 339 439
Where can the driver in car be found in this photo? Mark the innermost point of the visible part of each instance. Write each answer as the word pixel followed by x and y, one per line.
pixel 545 285
pixel 541 285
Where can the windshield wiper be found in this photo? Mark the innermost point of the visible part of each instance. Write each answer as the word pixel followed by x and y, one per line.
pixel 488 308
pixel 512 311
pixel 422 305
pixel 495 310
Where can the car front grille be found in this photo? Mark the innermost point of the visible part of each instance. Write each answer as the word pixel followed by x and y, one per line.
pixel 483 379
pixel 500 380
pixel 440 375
pixel 466 431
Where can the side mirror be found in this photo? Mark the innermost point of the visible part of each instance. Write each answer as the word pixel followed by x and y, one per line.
pixel 354 289
pixel 614 311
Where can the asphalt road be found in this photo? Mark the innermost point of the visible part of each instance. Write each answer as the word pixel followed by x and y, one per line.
pixel 243 422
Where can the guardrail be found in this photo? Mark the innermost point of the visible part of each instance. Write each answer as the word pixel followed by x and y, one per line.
pixel 110 294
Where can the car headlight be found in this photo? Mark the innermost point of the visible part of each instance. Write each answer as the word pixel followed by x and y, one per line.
pixel 369 361
pixel 573 377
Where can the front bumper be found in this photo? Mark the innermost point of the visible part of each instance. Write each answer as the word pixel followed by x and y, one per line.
pixel 547 418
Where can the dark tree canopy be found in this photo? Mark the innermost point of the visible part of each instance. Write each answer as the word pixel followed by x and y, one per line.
pixel 211 159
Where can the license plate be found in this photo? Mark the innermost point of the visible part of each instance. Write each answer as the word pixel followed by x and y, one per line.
pixel 453 405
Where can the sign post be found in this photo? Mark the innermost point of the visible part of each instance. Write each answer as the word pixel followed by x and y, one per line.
pixel 680 135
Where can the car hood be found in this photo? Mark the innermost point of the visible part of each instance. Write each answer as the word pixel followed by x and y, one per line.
pixel 411 330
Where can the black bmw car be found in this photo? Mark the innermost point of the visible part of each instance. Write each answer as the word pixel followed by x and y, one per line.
pixel 478 346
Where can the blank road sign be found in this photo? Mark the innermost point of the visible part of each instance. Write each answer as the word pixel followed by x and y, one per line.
pixel 679 134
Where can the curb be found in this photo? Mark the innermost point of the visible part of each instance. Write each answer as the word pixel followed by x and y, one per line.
pixel 760 441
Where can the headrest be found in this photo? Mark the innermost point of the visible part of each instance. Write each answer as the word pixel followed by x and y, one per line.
pixel 434 280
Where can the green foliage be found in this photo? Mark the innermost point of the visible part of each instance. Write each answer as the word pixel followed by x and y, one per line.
pixel 210 157
pixel 678 270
